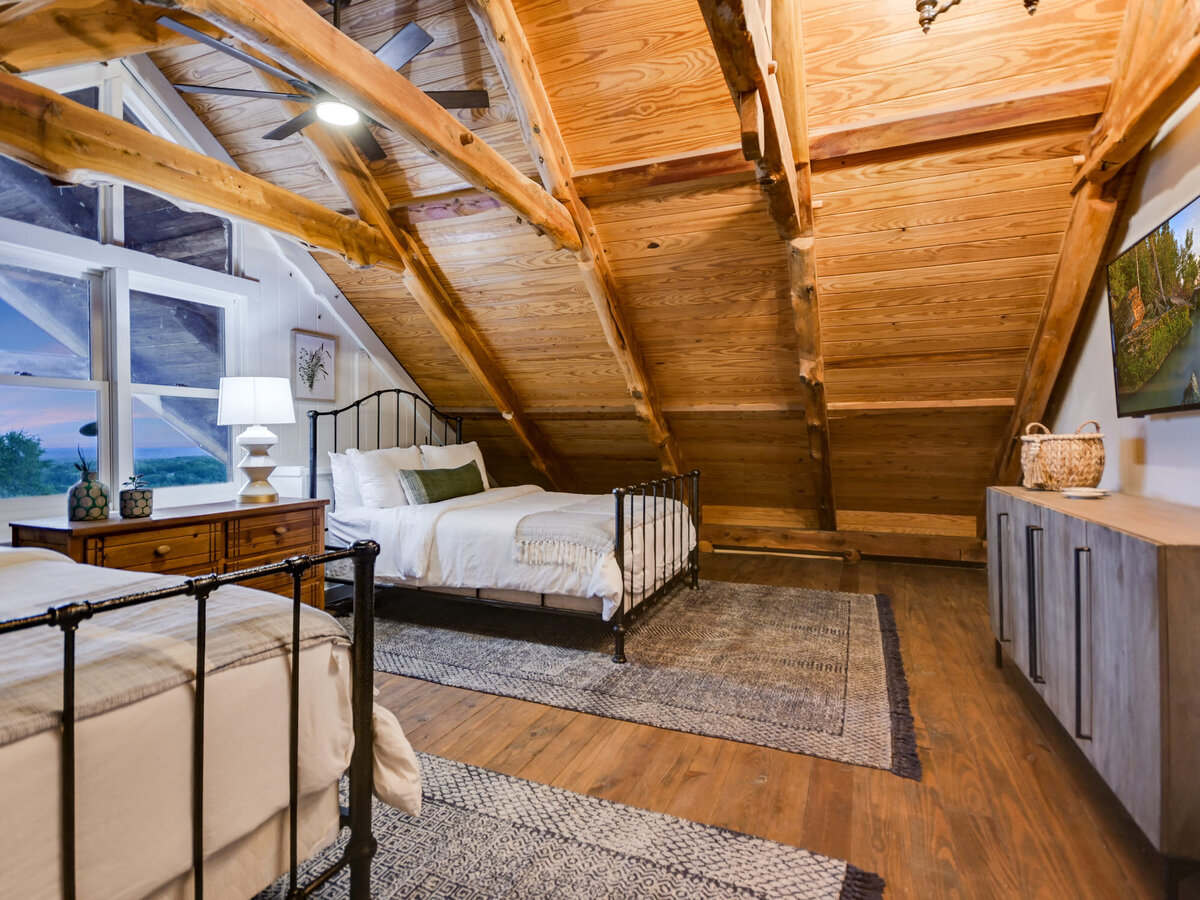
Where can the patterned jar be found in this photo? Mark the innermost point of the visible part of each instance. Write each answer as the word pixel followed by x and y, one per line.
pixel 87 499
pixel 136 503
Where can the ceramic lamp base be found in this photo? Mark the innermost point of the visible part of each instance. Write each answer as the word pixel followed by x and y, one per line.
pixel 257 464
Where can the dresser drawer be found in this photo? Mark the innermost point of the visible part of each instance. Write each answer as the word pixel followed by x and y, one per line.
pixel 312 584
pixel 275 534
pixel 189 549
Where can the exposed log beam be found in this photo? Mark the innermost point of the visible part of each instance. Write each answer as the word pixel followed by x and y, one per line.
pixel 1034 107
pixel 1085 243
pixel 1145 95
pixel 72 143
pixel 337 155
pixel 869 543
pixel 71 32
pixel 978 119
pixel 743 45
pixel 505 39
pixel 297 36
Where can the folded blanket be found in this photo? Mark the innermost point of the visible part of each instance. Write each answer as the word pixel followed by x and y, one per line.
pixel 127 654
pixel 578 535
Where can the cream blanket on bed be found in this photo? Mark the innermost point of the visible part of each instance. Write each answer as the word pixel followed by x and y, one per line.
pixel 578 535
pixel 127 654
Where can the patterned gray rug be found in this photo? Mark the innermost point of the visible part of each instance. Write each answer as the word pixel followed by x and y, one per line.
pixel 814 672
pixel 485 836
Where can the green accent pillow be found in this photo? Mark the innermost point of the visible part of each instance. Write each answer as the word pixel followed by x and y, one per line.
pixel 431 485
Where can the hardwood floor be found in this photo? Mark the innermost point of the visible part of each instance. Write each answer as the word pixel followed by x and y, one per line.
pixel 1007 806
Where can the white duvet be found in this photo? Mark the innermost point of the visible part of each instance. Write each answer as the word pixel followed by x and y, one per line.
pixel 468 542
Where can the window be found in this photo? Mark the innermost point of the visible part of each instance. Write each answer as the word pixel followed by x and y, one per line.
pixel 111 353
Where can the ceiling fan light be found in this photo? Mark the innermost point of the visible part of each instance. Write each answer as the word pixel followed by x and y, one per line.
pixel 337 113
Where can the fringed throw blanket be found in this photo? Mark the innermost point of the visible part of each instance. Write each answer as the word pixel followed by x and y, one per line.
pixel 579 535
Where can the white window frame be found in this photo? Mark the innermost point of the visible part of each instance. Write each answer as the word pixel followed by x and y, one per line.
pixel 115 271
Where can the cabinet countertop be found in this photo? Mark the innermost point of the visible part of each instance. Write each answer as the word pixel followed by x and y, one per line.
pixel 1156 521
pixel 172 515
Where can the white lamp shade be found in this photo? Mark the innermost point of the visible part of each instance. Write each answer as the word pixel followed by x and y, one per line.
pixel 255 400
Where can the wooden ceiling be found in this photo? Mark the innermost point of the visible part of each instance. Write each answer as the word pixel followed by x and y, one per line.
pixel 845 379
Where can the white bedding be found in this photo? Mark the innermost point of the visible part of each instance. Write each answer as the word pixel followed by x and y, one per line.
pixel 468 542
pixel 134 766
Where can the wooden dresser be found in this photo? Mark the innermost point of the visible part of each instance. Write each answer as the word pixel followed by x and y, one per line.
pixel 194 540
pixel 1097 602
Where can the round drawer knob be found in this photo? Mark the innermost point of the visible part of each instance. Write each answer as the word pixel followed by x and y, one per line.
pixel 280 530
pixel 162 549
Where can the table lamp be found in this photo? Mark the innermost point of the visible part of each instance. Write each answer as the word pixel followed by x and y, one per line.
pixel 256 401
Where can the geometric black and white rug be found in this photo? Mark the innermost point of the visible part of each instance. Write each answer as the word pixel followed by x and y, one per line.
pixel 484 835
pixel 813 672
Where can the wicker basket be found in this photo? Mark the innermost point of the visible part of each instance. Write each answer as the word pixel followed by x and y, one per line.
pixel 1052 462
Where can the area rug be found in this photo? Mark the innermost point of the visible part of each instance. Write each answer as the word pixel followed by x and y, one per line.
pixel 814 672
pixel 486 835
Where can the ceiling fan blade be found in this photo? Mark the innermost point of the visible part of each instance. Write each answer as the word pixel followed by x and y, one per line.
pixel 201 37
pixel 402 46
pixel 362 137
pixel 291 126
pixel 241 92
pixel 461 99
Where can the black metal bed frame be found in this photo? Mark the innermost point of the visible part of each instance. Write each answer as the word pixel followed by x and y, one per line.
pixel 361 847
pixel 684 489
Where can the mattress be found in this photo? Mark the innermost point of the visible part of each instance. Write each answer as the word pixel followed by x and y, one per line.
pixel 473 550
pixel 133 768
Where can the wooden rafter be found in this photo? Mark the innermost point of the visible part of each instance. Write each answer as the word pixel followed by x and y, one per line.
pixel 297 36
pixel 1089 231
pixel 743 47
pixel 71 32
pixel 1150 82
pixel 506 40
pixel 970 120
pixel 73 143
pixel 337 155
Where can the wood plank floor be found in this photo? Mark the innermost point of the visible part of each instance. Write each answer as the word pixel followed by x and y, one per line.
pixel 1007 806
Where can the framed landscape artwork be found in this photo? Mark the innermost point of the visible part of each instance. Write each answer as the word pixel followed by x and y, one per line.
pixel 314 364
pixel 1152 299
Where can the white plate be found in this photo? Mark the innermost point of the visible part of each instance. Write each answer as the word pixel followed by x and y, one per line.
pixel 1084 493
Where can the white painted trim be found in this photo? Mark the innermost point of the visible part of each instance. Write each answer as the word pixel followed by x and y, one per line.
pixel 319 282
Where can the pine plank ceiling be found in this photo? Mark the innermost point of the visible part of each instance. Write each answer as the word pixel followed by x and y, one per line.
pixel 941 183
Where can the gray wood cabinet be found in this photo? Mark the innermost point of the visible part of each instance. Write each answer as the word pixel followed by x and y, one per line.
pixel 1097 602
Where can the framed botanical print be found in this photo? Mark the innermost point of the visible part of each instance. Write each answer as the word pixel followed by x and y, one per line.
pixel 314 365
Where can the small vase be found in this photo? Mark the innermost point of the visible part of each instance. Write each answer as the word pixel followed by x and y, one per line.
pixel 136 503
pixel 87 499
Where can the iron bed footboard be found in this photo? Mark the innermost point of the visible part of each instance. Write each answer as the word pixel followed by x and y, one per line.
pixel 676 563
pixel 357 817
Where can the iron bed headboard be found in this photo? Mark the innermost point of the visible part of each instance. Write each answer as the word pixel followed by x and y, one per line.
pixel 361 847
pixel 416 402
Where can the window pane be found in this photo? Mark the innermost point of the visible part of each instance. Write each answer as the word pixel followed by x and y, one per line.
pixel 158 227
pixel 30 197
pixel 41 438
pixel 176 342
pixel 45 325
pixel 176 440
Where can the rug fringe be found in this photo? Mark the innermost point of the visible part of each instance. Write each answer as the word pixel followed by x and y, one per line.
pixel 861 885
pixel 906 762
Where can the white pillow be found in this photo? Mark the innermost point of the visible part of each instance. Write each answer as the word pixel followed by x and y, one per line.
pixel 452 456
pixel 376 471
pixel 345 482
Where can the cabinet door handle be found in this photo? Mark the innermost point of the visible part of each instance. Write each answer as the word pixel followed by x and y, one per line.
pixel 1033 546
pixel 162 549
pixel 1001 531
pixel 1083 686
pixel 280 530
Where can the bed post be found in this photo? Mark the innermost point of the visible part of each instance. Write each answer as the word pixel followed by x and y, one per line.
pixel 694 561
pixel 312 454
pixel 619 615
pixel 362 844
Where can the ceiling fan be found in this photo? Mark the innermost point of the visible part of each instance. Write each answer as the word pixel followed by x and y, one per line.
pixel 397 52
